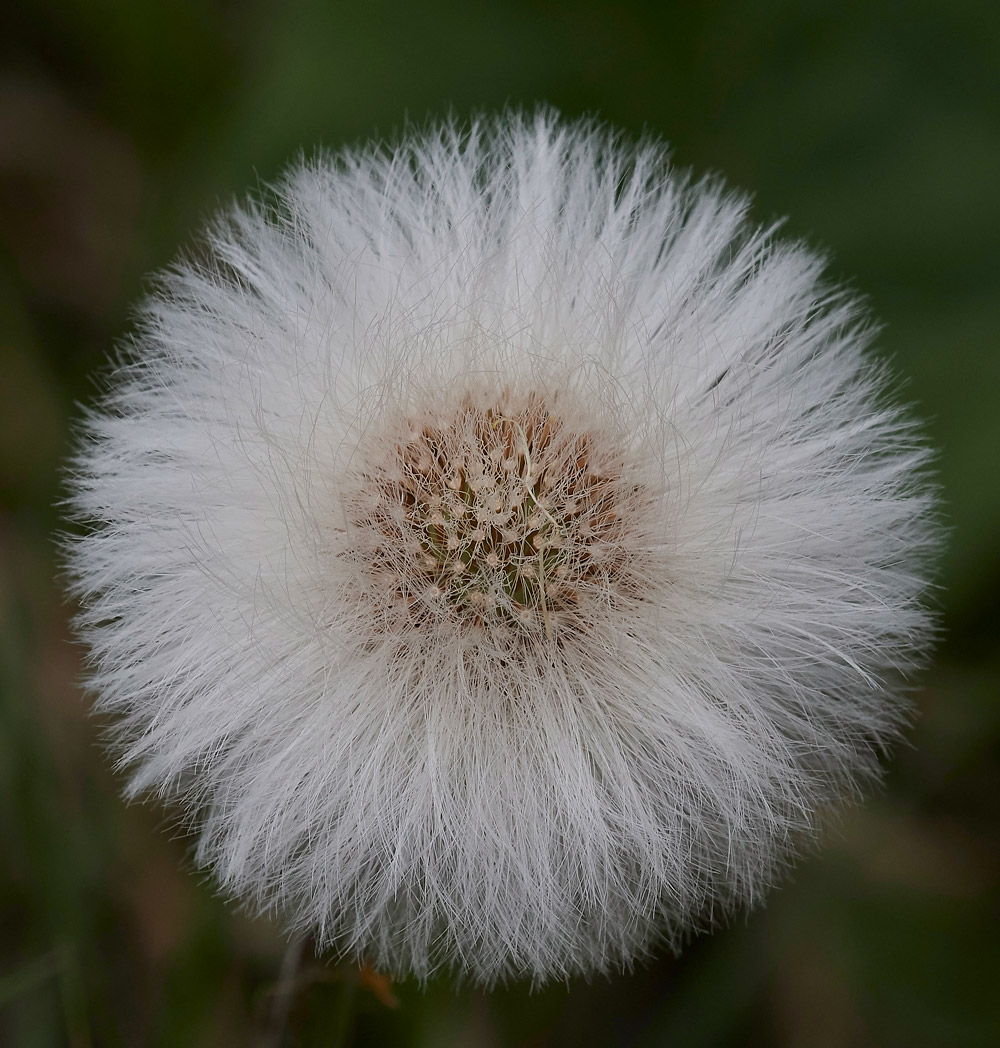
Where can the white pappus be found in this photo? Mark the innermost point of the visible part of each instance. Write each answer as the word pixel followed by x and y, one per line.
pixel 502 549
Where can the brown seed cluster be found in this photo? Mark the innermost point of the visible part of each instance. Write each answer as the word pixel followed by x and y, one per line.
pixel 499 518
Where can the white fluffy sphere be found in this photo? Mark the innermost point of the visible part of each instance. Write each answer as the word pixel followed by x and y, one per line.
pixel 502 549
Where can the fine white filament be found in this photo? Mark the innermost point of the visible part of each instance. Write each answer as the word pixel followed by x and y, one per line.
pixel 503 550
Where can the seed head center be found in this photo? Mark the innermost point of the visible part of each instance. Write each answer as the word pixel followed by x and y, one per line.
pixel 500 518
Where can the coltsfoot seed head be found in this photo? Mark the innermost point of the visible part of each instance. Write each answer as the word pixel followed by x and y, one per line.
pixel 502 550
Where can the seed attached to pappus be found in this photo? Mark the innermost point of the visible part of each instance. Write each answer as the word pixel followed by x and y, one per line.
pixel 502 498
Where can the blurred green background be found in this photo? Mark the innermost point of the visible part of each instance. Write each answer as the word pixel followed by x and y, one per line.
pixel 125 123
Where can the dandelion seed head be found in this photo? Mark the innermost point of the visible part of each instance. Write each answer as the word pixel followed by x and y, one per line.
pixel 503 551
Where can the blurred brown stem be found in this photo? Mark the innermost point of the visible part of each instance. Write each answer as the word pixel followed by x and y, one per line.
pixel 283 994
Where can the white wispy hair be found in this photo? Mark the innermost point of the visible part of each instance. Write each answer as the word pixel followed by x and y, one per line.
pixel 504 550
